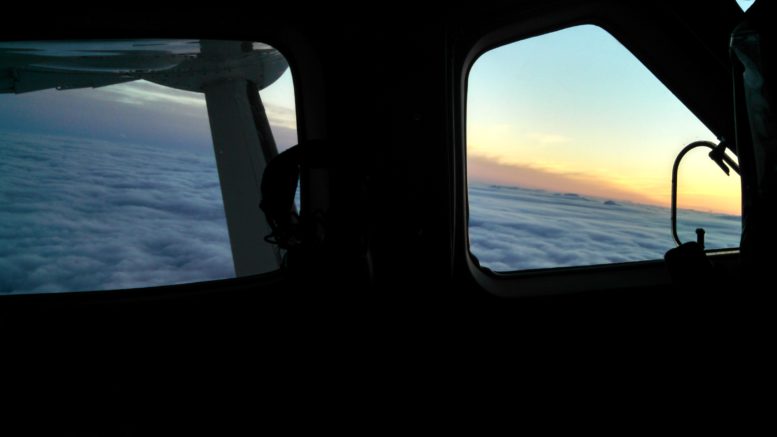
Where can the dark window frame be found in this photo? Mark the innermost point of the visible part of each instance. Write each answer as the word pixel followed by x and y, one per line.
pixel 307 79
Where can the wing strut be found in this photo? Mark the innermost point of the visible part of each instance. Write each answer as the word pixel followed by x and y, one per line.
pixel 243 144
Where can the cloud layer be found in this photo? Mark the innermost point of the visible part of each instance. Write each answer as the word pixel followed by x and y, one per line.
pixel 89 215
pixel 517 229
pixel 86 215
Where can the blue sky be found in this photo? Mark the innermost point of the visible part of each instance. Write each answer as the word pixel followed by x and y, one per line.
pixel 574 109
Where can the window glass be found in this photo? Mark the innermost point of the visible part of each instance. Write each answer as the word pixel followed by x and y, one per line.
pixel 108 176
pixel 570 147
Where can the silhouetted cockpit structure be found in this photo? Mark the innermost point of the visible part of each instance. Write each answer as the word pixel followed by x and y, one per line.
pixel 380 293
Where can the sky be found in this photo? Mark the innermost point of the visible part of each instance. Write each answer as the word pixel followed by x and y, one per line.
pixel 574 110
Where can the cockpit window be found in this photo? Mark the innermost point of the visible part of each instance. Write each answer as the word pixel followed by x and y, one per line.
pixel 129 163
pixel 570 147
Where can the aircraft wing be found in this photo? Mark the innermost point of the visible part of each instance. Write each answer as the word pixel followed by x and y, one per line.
pixel 182 64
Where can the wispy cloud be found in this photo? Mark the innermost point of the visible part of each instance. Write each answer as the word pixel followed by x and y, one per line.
pixel 488 169
pixel 544 138
pixel 141 92
pixel 280 116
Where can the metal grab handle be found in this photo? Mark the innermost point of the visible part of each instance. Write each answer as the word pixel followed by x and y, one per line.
pixel 718 154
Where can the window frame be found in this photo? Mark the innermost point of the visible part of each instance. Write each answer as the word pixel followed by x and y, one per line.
pixel 558 280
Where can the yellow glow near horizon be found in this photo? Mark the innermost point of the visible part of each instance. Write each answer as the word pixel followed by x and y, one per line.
pixel 575 111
